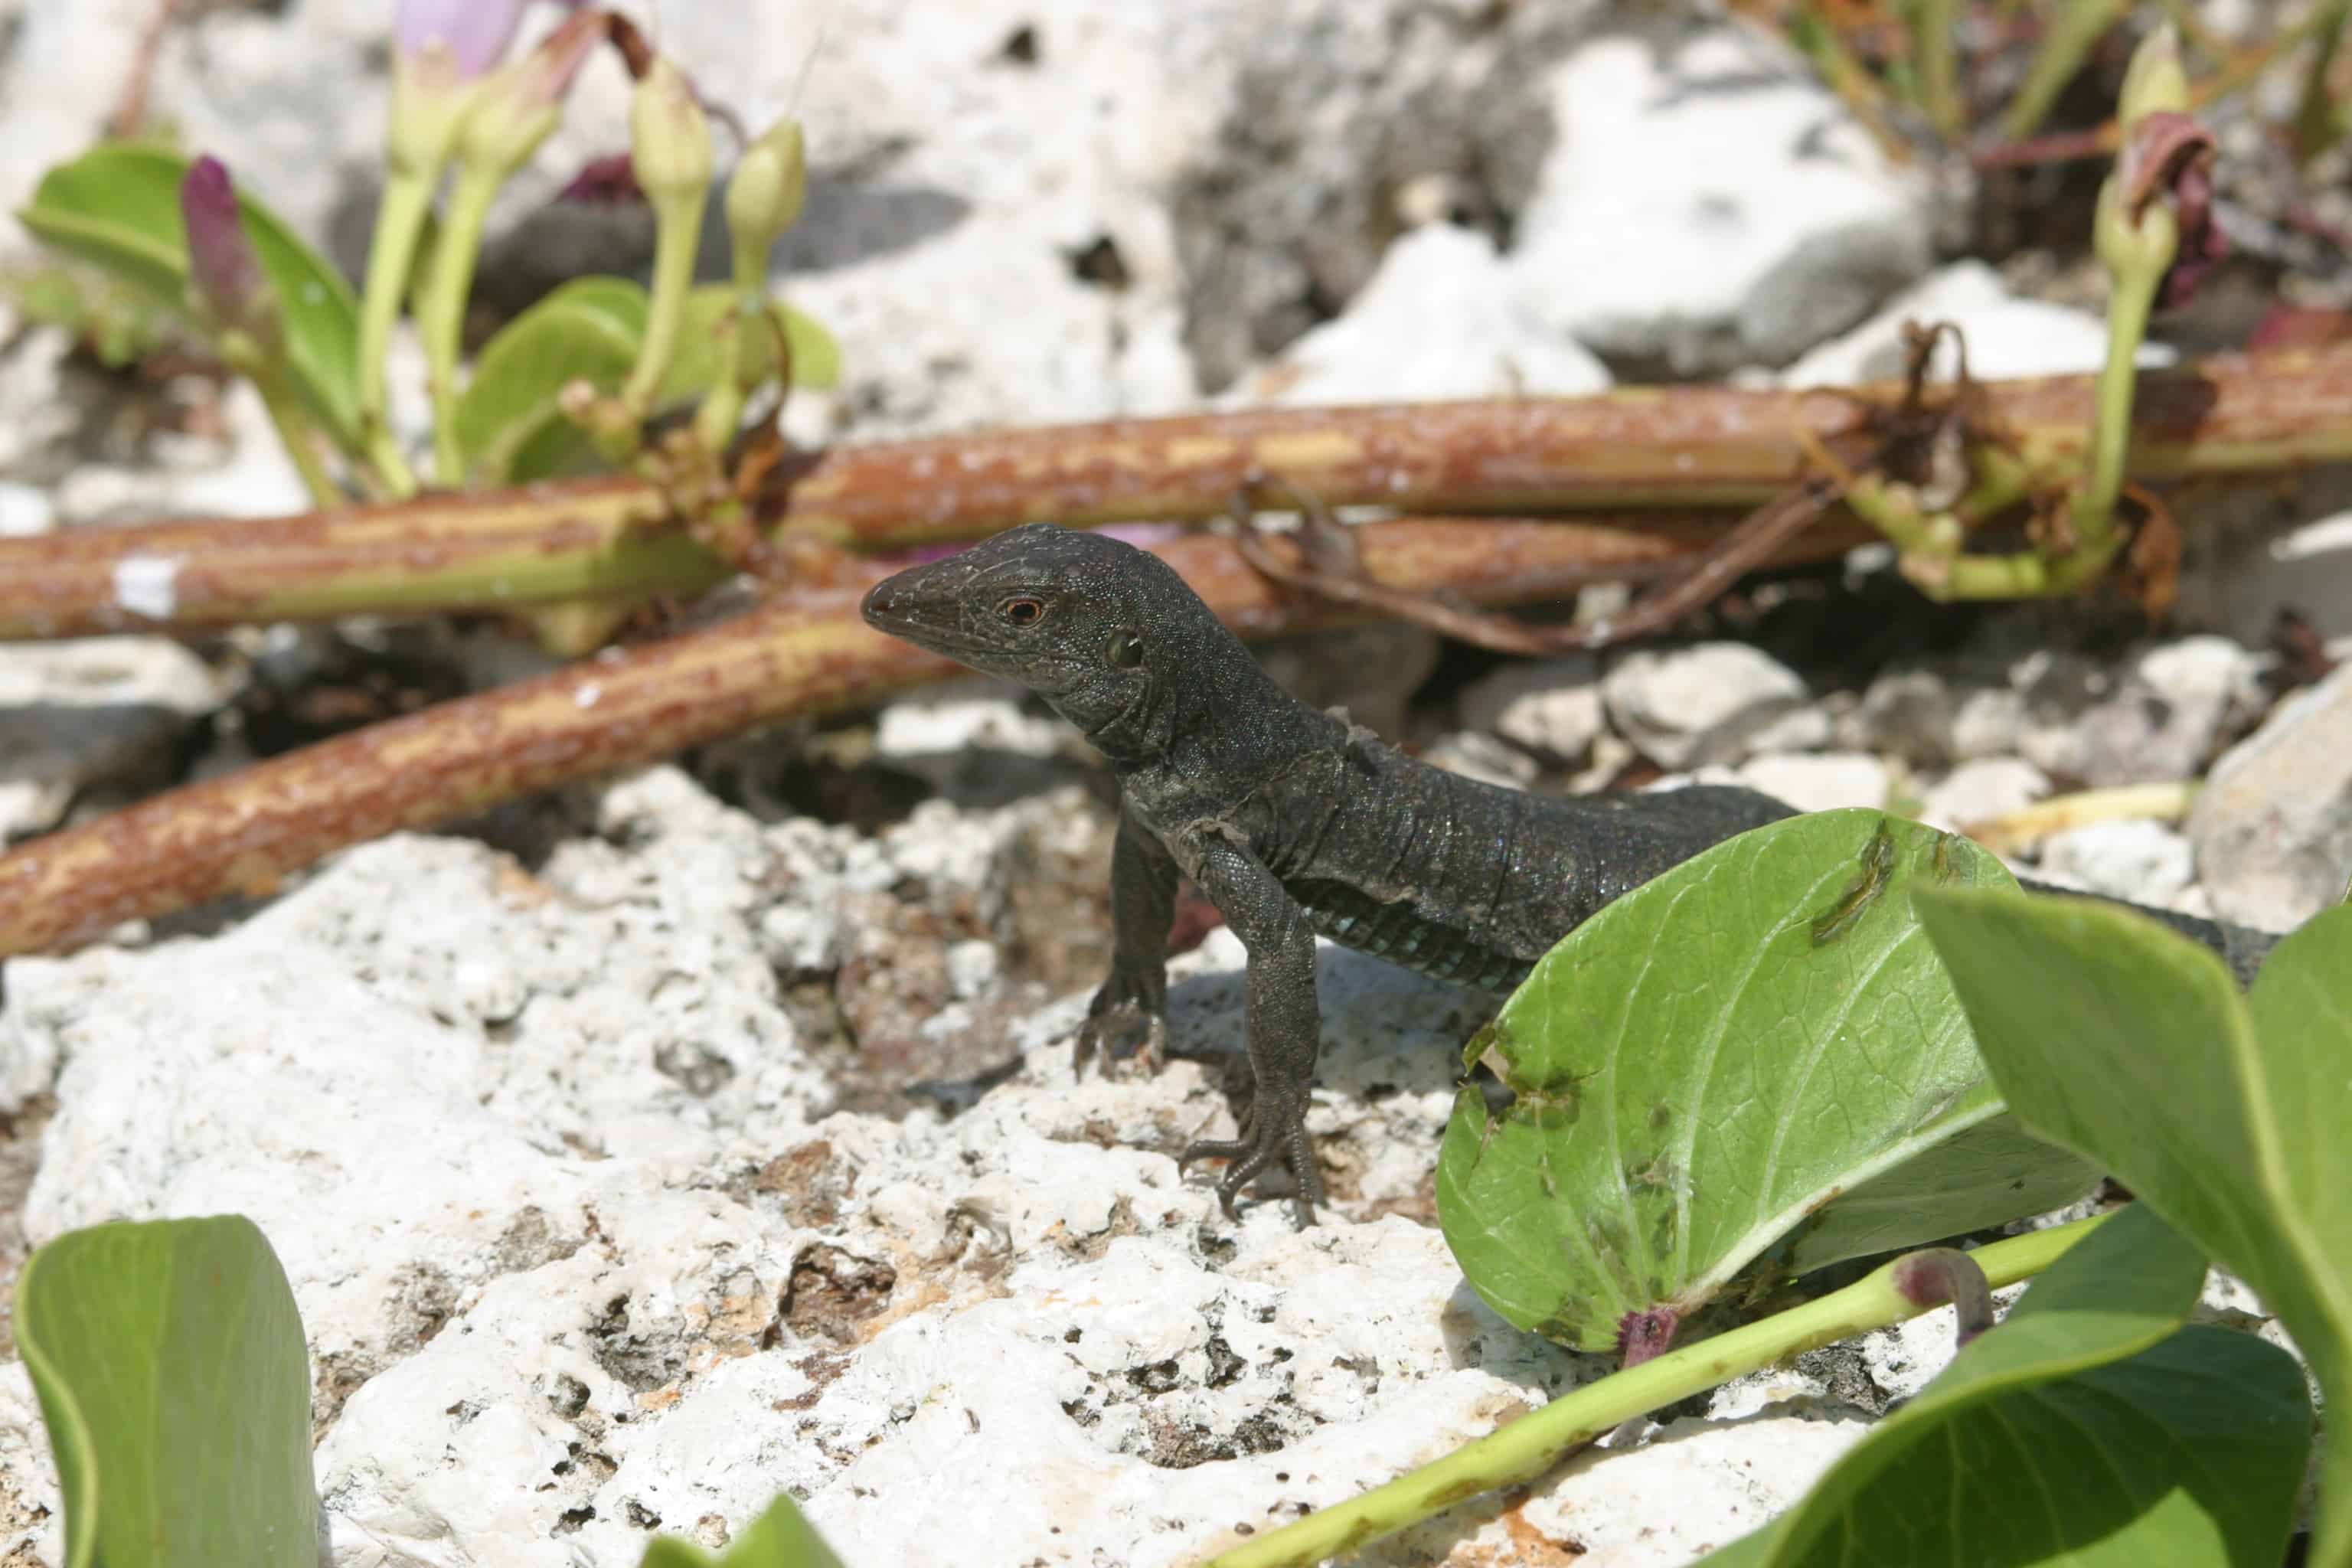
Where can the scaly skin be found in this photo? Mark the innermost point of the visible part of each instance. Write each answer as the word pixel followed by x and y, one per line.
pixel 1292 821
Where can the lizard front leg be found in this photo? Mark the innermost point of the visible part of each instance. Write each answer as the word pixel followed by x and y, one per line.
pixel 1132 1005
pixel 1284 1020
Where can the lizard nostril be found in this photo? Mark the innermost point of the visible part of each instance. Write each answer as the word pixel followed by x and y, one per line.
pixel 877 600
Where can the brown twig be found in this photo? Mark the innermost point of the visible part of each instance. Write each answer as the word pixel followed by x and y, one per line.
pixel 1330 569
pixel 1931 434
pixel 130 116
pixel 1679 448
pixel 245 832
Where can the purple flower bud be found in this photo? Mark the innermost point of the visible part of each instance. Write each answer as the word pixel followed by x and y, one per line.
pixel 2169 156
pixel 223 274
pixel 475 33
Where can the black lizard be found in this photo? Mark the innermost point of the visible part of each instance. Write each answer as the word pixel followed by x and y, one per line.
pixel 1292 821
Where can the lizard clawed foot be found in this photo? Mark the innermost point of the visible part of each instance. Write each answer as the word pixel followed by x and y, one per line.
pixel 1277 1136
pixel 1121 1023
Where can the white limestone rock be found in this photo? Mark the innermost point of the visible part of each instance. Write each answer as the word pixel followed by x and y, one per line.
pixel 2007 334
pixel 91 713
pixel 1907 713
pixel 1709 205
pixel 584 1251
pixel 1475 754
pixel 1715 702
pixel 2161 717
pixel 25 512
pixel 1439 319
pixel 248 474
pixel 1828 781
pixel 2145 862
pixel 1549 706
pixel 2307 567
pixel 2272 826
pixel 1980 791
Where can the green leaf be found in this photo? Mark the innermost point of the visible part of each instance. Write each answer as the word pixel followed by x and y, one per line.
pixel 779 1538
pixel 176 1386
pixel 1962 1462
pixel 2188 1455
pixel 2226 1115
pixel 1983 1176
pixel 816 358
pixel 118 208
pixel 509 426
pixel 1707 1061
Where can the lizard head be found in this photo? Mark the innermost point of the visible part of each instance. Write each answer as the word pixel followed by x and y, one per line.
pixel 1095 626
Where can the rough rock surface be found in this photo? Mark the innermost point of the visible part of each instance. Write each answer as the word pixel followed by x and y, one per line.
pixel 701 1151
pixel 2165 717
pixel 1755 220
pixel 2006 335
pixel 2306 565
pixel 2272 827
pixel 80 717
pixel 1549 706
pixel 2143 861
pixel 1983 790
pixel 1381 347
pixel 1829 781
pixel 1018 209
pixel 1716 702
pixel 584 1247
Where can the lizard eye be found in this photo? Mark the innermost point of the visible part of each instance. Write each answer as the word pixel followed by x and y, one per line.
pixel 1023 612
pixel 1126 649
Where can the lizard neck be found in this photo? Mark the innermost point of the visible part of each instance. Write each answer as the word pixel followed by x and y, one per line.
pixel 1214 733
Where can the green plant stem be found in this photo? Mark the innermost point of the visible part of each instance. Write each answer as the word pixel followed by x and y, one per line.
pixel 399 220
pixel 2317 119
pixel 1534 1443
pixel 678 232
pixel 2129 302
pixel 294 434
pixel 1863 94
pixel 722 408
pixel 1939 90
pixel 2078 25
pixel 441 308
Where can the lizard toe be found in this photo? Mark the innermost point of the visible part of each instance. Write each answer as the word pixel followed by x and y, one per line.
pixel 1245 1171
pixel 1266 1141
pixel 1112 1026
pixel 1153 1054
pixel 1216 1149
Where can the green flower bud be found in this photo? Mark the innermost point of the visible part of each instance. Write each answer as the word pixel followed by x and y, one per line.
pixel 518 107
pixel 2154 83
pixel 670 137
pixel 769 185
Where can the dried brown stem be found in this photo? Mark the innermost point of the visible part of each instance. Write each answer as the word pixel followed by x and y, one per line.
pixel 1679 447
pixel 1328 570
pixel 243 832
pixel 130 116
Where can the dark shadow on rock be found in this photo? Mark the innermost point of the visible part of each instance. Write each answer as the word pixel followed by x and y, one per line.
pixel 1391 1032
